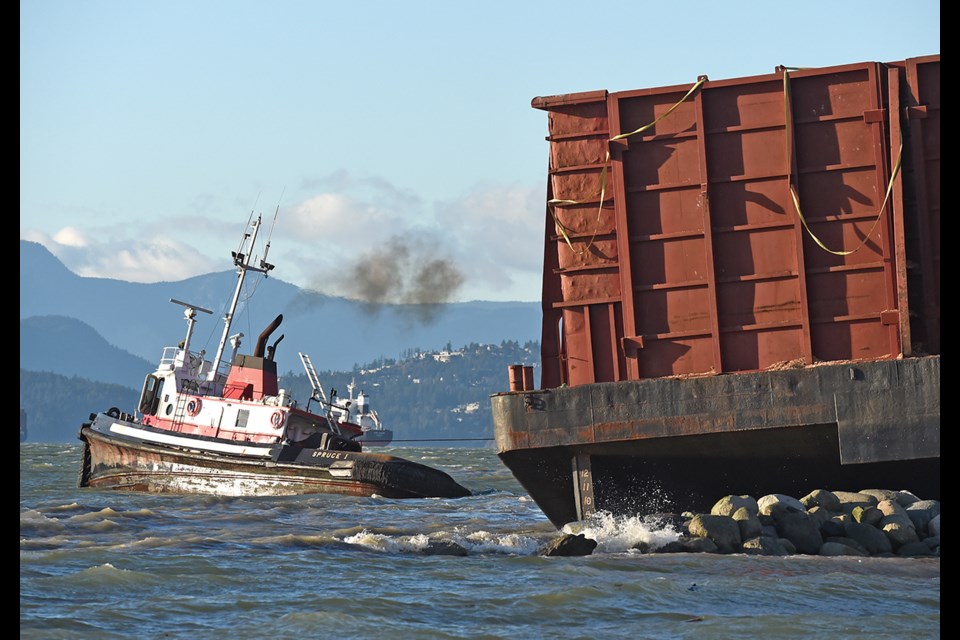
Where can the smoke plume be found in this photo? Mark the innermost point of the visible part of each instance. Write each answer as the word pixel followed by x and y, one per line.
pixel 406 272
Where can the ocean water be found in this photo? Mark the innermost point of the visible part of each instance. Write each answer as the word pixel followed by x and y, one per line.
pixel 104 564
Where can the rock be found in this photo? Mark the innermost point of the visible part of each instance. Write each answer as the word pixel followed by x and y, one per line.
pixel 769 530
pixel 932 542
pixel 832 528
pixel 933 527
pixel 443 548
pixel 849 500
pixel 778 505
pixel 913 549
pixel 728 505
pixel 867 515
pixel 802 531
pixel 671 547
pixel 569 545
pixel 764 546
pixel 819 515
pixel 891 508
pixel 699 544
pixel 840 549
pixel 787 546
pixel 871 538
pixel 850 542
pixel 821 498
pixel 924 505
pixel 724 531
pixel 905 498
pixel 688 544
pixel 899 529
pixel 922 512
pixel 748 522
pixel 881 494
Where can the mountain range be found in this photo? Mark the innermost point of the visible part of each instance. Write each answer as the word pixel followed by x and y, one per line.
pixel 70 347
pixel 63 314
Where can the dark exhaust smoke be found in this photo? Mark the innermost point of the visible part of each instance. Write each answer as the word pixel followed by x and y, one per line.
pixel 405 272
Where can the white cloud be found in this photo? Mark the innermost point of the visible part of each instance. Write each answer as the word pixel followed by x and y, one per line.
pixel 99 255
pixel 492 236
pixel 498 232
pixel 333 217
pixel 345 212
pixel 71 237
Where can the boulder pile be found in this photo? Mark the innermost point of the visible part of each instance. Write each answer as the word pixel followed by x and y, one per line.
pixel 871 522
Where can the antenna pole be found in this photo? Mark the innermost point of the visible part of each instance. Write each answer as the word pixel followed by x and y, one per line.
pixel 242 261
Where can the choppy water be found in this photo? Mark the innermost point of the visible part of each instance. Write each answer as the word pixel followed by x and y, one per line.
pixel 102 564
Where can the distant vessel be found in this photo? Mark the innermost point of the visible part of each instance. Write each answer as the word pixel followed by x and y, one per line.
pixel 24 433
pixel 374 434
pixel 204 426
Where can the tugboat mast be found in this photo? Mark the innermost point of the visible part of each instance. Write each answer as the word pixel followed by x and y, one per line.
pixel 241 259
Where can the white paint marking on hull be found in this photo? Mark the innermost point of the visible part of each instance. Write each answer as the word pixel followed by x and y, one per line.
pixel 189 443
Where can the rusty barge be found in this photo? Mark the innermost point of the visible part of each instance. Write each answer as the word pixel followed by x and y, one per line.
pixel 741 293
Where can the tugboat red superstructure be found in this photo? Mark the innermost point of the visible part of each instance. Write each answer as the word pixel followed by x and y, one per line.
pixel 203 426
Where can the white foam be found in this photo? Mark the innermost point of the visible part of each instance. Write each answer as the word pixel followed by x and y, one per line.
pixel 389 544
pixel 73 506
pixel 510 543
pixel 103 525
pixel 32 515
pixel 619 534
pixel 106 512
pixel 33 519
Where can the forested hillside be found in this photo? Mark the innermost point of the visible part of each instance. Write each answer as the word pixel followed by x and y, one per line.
pixel 420 395
pixel 57 405
pixel 430 394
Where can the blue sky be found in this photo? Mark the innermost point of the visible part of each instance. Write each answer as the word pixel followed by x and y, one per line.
pixel 149 130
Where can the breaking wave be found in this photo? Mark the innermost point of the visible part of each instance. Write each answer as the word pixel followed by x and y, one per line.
pixel 621 534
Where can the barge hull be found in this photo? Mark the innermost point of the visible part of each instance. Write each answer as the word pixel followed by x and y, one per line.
pixel 650 446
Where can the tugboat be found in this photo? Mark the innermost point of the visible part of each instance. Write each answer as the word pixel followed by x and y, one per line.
pixel 226 428
pixel 374 433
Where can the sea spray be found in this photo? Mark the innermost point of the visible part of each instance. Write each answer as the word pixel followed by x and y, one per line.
pixel 619 534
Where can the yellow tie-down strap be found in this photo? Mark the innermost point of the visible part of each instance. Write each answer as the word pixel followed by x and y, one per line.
pixel 793 192
pixel 551 204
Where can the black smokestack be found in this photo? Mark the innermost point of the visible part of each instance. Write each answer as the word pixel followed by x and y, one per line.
pixel 262 340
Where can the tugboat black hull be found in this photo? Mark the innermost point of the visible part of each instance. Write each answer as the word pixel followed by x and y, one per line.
pixel 130 463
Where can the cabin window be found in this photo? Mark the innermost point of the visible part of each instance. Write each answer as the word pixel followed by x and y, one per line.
pixel 169 409
pixel 150 396
pixel 242 416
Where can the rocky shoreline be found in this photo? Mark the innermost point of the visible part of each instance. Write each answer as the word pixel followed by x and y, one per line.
pixel 871 522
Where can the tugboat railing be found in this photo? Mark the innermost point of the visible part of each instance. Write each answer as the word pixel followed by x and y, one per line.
pixel 193 370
